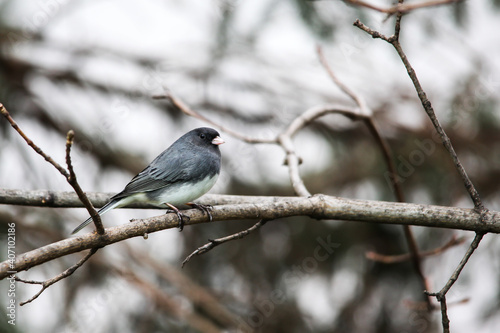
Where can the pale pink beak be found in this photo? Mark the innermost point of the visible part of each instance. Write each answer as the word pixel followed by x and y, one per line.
pixel 217 141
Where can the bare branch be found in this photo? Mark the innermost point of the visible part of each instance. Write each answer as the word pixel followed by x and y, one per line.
pixel 454 277
pixel 190 112
pixel 373 33
pixel 286 142
pixel 67 199
pixel 197 294
pixel 394 41
pixel 74 183
pixel 70 176
pixel 319 111
pixel 387 154
pixel 317 207
pixel 393 259
pixel 401 8
pixel 360 102
pixel 441 295
pixel 167 303
pixel 214 242
pixel 30 143
pixel 474 195
pixel 47 283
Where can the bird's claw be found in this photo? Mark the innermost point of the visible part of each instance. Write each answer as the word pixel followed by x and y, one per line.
pixel 204 208
pixel 180 216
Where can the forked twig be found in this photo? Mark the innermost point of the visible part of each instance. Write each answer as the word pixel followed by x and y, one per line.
pixel 394 41
pixel 199 296
pixel 284 139
pixel 74 183
pixel 214 242
pixel 47 283
pixel 70 176
pixel 474 195
pixel 367 117
pixel 441 295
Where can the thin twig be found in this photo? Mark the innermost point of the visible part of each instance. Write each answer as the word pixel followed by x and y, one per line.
pixel 214 242
pixel 393 259
pixel 454 277
pixel 285 139
pixel 478 205
pixel 47 283
pixel 387 154
pixel 30 143
pixel 422 306
pixel 190 112
pixel 397 24
pixel 401 8
pixel 74 183
pixel 293 161
pixel 200 297
pixel 394 41
pixel 375 34
pixel 444 137
pixel 70 176
pixel 168 303
pixel 367 116
pixel 354 96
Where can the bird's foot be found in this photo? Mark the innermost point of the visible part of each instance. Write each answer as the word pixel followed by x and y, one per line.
pixel 204 208
pixel 180 216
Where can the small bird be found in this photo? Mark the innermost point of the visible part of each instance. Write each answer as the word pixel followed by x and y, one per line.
pixel 183 172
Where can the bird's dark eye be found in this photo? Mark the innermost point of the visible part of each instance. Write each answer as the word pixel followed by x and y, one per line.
pixel 202 135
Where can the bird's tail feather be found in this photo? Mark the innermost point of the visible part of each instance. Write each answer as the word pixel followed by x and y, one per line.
pixel 107 207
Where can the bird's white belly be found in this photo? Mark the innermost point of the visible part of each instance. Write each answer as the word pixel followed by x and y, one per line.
pixel 182 193
pixel 177 194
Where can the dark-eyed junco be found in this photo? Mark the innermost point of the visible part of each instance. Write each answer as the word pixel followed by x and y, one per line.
pixel 183 172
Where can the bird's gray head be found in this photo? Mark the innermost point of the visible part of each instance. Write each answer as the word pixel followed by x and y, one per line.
pixel 203 137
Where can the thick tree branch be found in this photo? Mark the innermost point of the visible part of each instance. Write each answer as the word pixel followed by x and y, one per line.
pixel 67 199
pixel 317 207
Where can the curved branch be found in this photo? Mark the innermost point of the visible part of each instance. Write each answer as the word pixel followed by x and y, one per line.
pixel 190 112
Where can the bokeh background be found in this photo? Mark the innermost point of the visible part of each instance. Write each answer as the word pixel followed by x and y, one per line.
pixel 93 66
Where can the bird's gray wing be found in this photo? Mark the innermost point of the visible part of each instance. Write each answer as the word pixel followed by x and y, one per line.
pixel 168 168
